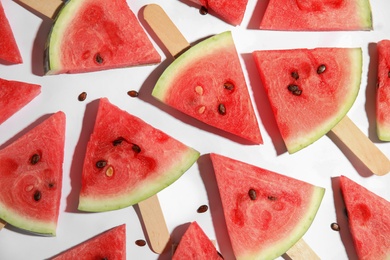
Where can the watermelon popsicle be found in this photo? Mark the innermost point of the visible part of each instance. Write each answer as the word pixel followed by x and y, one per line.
pixel 175 42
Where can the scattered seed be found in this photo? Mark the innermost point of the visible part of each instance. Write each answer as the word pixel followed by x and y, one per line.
pixel 136 148
pixel 295 74
pixel 110 171
pixel 201 109
pixel 101 164
pixel 335 226
pixel 140 242
pixel 294 89
pixel 321 69
pixel 270 197
pixel 222 109
pixel 199 90
pixel 132 93
pixel 252 194
pixel 51 185
pixel 117 141
pixel 105 258
pixel 98 58
pixel 203 10
pixel 35 159
pixel 202 209
pixel 82 96
pixel 228 86
pixel 388 74
pixel 37 195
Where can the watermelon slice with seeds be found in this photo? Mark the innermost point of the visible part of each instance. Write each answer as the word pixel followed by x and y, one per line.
pixel 195 244
pixel 230 11
pixel 128 160
pixel 383 91
pixel 14 95
pixel 266 212
pixel 92 35
pixel 369 220
pixel 9 50
pixel 207 83
pixel 110 244
pixel 31 177
pixel 314 15
pixel 310 90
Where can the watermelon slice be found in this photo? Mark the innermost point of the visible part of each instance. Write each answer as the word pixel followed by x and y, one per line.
pixel 230 11
pixel 314 15
pixel 31 177
pixel 383 91
pixel 110 244
pixel 266 213
pixel 310 90
pixel 92 35
pixel 9 50
pixel 14 95
pixel 207 83
pixel 195 245
pixel 369 220
pixel 128 160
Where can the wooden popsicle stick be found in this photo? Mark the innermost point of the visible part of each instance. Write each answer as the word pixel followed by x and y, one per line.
pixel 46 8
pixel 161 24
pixel 154 222
pixel 2 224
pixel 362 147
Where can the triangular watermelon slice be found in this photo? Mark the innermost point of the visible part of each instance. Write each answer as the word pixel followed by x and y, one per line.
pixel 14 95
pixel 230 11
pixel 9 50
pixel 128 160
pixel 310 90
pixel 383 91
pixel 314 15
pixel 110 244
pixel 266 213
pixel 31 177
pixel 195 244
pixel 207 83
pixel 92 35
pixel 369 220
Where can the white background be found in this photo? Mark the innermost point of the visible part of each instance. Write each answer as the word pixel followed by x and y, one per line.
pixel 319 164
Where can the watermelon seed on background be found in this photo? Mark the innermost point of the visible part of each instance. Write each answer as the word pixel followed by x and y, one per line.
pixel 175 43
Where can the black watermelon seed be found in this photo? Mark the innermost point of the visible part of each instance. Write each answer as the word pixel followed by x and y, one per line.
pixel 101 164
pixel 294 89
pixel 132 93
pixel 140 242
pixel 228 86
pixel 203 10
pixel 118 141
pixel 388 74
pixel 82 96
pixel 321 69
pixel 35 159
pixel 222 109
pixel 252 194
pixel 270 197
pixel 98 58
pixel 202 209
pixel 295 75
pixel 37 195
pixel 136 148
pixel 335 226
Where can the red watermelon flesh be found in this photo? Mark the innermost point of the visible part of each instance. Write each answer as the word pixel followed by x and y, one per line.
pixel 14 95
pixel 108 245
pixel 195 244
pixel 314 15
pixel 383 91
pixel 128 160
pixel 310 90
pixel 230 11
pixel 9 50
pixel 92 35
pixel 266 213
pixel 207 83
pixel 369 220
pixel 31 177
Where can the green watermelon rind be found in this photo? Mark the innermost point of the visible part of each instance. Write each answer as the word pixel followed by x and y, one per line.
pixel 195 53
pixel 15 219
pixel 365 14
pixel 284 245
pixel 143 191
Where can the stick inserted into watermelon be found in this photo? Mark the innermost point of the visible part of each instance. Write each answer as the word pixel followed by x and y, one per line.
pixel 311 91
pixel 175 42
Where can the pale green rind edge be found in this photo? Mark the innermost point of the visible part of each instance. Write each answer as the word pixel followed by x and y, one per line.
pixel 365 11
pixel 143 191
pixel 196 52
pixel 383 132
pixel 356 68
pixel 301 228
pixel 52 60
pixel 32 225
